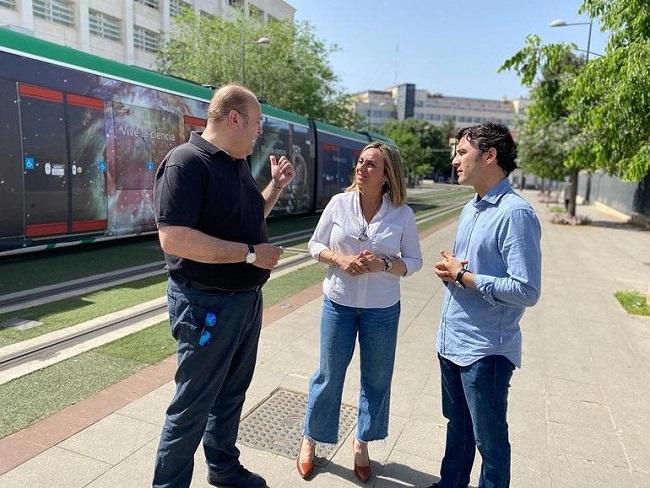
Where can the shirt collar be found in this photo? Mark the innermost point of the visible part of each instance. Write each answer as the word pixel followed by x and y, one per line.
pixel 207 146
pixel 495 193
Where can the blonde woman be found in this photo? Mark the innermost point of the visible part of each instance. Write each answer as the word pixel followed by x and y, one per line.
pixel 368 237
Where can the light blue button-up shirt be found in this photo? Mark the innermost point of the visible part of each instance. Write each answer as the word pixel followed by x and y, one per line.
pixel 499 235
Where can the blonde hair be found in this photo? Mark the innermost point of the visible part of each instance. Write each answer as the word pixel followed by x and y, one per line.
pixel 230 97
pixel 395 184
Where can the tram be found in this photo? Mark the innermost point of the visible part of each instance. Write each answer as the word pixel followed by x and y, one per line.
pixel 82 137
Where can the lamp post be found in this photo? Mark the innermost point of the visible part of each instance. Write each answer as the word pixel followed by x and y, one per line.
pixel 573 191
pixel 262 41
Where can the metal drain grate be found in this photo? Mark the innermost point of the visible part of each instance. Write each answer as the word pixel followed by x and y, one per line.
pixel 276 425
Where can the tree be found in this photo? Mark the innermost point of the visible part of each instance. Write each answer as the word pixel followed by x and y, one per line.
pixel 423 147
pixel 291 72
pixel 611 96
pixel 547 136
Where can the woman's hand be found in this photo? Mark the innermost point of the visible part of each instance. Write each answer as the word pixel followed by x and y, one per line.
pixel 372 262
pixel 350 264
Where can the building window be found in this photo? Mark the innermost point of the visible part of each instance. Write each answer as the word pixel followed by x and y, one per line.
pixel 10 4
pixel 149 3
pixel 176 7
pixel 235 3
pixel 146 39
pixel 103 25
pixel 57 11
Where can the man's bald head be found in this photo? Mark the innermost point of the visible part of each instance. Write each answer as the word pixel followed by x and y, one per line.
pixel 230 97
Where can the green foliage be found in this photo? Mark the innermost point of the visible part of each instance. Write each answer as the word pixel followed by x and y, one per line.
pixel 546 137
pixel 605 104
pixel 292 72
pixel 423 146
pixel 611 97
pixel 543 148
pixel 633 302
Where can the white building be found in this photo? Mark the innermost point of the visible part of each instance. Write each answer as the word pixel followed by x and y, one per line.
pixel 405 101
pixel 128 31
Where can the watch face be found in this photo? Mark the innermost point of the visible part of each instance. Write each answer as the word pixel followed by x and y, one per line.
pixel 251 257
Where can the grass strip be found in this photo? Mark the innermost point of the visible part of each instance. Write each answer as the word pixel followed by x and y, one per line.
pixel 59 265
pixel 633 302
pixel 71 311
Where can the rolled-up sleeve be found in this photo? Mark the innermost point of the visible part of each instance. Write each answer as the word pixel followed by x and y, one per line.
pixel 521 253
pixel 410 250
pixel 320 239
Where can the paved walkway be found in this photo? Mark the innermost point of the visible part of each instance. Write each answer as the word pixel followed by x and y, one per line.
pixel 579 414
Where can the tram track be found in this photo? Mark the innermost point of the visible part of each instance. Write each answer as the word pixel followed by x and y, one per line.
pixel 46 350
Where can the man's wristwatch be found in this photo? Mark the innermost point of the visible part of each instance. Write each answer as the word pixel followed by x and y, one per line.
pixel 251 256
pixel 388 264
pixel 459 277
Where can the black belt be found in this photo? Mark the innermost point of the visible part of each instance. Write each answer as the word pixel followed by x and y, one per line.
pixel 200 286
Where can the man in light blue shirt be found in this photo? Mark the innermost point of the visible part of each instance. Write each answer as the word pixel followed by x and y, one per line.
pixel 492 275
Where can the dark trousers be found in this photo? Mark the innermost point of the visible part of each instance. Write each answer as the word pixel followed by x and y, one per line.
pixel 475 403
pixel 217 334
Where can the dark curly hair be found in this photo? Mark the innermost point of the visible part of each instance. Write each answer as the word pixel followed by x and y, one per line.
pixel 490 134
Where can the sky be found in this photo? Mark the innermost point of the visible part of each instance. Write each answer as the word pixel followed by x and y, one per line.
pixel 453 48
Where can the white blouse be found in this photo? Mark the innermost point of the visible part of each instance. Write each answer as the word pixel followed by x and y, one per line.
pixel 392 233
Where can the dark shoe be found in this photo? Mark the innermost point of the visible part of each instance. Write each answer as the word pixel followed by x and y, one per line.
pixel 361 472
pixel 305 468
pixel 239 478
pixel 433 485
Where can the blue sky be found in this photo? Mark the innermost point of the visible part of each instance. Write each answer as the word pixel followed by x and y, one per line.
pixel 453 48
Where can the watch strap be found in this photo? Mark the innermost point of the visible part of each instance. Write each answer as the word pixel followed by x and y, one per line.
pixel 459 276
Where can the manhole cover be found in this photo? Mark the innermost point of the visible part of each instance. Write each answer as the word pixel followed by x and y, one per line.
pixel 276 425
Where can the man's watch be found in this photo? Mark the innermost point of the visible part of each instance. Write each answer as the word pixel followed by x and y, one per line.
pixel 251 256
pixel 459 277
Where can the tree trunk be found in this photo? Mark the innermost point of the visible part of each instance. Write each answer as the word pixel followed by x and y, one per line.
pixel 573 193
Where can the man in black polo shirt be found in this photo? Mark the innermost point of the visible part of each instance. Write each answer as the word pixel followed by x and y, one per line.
pixel 210 217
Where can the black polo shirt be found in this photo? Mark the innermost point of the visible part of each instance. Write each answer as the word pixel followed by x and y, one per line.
pixel 199 186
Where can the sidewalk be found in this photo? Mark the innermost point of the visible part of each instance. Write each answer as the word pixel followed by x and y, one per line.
pixel 579 414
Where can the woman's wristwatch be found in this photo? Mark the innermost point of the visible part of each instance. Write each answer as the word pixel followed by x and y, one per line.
pixel 388 264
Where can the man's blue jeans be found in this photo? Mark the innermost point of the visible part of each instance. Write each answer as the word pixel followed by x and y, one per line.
pixel 377 331
pixel 475 402
pixel 216 360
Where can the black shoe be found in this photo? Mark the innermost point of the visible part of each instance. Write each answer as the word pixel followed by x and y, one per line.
pixel 433 485
pixel 238 478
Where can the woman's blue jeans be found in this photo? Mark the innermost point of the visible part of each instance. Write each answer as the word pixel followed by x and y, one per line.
pixel 475 401
pixel 377 332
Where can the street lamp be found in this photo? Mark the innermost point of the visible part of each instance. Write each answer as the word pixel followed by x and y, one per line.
pixel 574 174
pixel 262 41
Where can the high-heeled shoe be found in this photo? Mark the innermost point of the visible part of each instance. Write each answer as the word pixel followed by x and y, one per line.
pixel 361 472
pixel 306 468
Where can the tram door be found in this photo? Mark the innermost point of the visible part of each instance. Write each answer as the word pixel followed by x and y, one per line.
pixel 63 164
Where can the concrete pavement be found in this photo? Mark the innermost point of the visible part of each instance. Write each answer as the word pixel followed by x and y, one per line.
pixel 579 414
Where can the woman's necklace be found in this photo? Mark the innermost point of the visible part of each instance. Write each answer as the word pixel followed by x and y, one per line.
pixel 363 236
